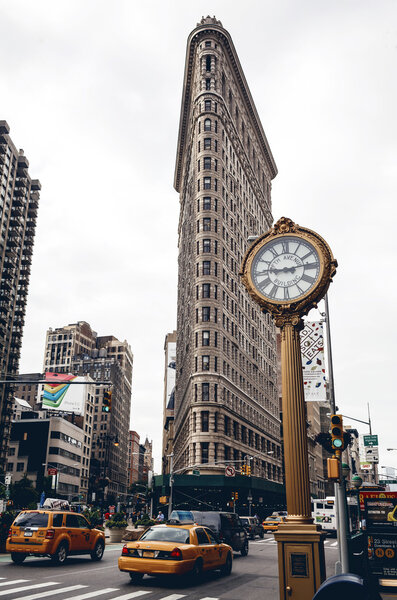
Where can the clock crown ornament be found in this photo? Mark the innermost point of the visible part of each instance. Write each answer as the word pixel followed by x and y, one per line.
pixel 288 269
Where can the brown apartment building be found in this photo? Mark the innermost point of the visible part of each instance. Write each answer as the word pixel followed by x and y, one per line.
pixel 226 397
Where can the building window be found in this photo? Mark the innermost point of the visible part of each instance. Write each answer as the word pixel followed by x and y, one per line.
pixel 20 466
pixel 216 422
pixel 208 84
pixel 206 267
pixel 216 392
pixel 207 125
pixel 10 467
pixel 206 313
pixel 204 420
pixel 207 143
pixel 208 44
pixel 205 362
pixel 205 392
pixel 206 338
pixel 204 452
pixel 206 224
pixel 207 162
pixel 206 290
pixel 208 62
pixel 206 245
pixel 207 183
pixel 206 203
pixel 207 105
pixel 11 451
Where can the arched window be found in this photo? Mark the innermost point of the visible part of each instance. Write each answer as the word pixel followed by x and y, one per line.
pixel 207 125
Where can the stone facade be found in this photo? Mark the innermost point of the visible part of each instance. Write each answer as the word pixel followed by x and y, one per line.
pixel 226 397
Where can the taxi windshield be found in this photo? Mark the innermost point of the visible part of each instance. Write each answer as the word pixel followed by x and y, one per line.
pixel 31 519
pixel 272 519
pixel 166 534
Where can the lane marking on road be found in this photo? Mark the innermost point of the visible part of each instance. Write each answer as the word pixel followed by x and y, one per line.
pixel 92 594
pixel 28 587
pixel 173 597
pixel 208 598
pixel 15 581
pixel 40 595
pixel 132 595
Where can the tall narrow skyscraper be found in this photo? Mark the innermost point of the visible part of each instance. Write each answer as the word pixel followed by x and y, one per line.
pixel 19 198
pixel 226 400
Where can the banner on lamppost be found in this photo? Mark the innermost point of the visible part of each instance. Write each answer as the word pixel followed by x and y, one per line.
pixel 313 364
pixel 61 396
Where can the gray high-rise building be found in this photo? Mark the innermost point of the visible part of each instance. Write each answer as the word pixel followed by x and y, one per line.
pixel 226 399
pixel 77 349
pixel 19 200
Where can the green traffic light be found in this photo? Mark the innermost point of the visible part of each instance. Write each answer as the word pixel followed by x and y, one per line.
pixel 337 443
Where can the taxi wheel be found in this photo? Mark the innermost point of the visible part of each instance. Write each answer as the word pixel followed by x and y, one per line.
pixel 244 549
pixel 18 557
pixel 136 577
pixel 60 555
pixel 226 569
pixel 197 570
pixel 98 551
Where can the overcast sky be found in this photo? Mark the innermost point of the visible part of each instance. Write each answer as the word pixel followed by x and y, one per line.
pixel 92 90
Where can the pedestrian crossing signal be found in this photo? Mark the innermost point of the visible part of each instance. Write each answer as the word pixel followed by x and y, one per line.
pixel 107 401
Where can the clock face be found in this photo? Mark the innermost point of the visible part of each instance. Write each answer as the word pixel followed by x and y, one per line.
pixel 285 269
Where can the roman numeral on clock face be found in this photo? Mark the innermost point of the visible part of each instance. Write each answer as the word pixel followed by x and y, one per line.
pixel 272 250
pixel 265 283
pixel 285 246
pixel 286 293
pixel 273 291
pixel 308 278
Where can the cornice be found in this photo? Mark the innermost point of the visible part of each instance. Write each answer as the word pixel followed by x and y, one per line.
pixel 192 42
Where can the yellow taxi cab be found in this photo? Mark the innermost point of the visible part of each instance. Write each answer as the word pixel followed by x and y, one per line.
pixel 271 523
pixel 53 533
pixel 175 550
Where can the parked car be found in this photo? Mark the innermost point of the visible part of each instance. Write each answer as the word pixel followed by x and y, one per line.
pixel 252 526
pixel 226 526
pixel 53 533
pixel 271 524
pixel 175 550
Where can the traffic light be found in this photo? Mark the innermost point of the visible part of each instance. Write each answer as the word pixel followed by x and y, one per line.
pixel 333 469
pixel 243 470
pixel 337 432
pixel 236 495
pixel 232 495
pixel 107 401
pixel 248 470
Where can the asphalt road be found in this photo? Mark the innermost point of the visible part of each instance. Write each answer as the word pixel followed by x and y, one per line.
pixel 254 577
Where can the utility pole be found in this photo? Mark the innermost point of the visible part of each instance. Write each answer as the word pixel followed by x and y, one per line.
pixel 341 566
pixel 171 483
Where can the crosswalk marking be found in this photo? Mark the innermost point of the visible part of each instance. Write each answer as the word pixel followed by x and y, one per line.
pixel 208 598
pixel 132 595
pixel 15 581
pixel 28 587
pixel 173 597
pixel 40 595
pixel 92 594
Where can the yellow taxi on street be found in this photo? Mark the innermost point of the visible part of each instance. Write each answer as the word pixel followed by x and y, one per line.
pixel 175 550
pixel 271 523
pixel 53 533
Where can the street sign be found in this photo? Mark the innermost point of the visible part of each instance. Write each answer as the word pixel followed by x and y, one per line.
pixel 52 471
pixel 195 472
pixel 366 466
pixel 371 440
pixel 387 481
pixel 372 454
pixel 230 471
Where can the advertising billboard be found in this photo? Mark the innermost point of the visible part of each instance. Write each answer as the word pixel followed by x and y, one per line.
pixel 171 374
pixel 61 395
pixel 312 350
pixel 381 513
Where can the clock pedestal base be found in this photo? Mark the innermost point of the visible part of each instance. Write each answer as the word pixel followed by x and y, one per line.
pixel 301 560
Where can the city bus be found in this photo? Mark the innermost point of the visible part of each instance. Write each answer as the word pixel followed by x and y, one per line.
pixel 324 513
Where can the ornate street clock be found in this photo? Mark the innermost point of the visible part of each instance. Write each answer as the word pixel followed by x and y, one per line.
pixel 288 269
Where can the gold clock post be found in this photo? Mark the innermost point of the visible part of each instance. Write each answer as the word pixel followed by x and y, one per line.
pixel 277 260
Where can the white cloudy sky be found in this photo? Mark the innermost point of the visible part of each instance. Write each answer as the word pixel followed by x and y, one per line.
pixel 91 91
